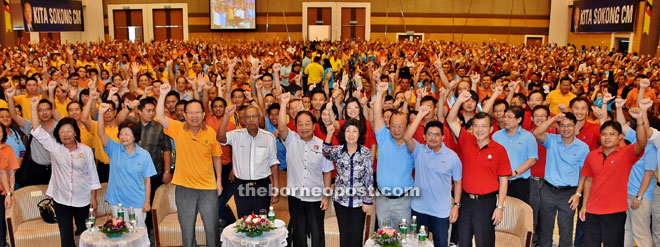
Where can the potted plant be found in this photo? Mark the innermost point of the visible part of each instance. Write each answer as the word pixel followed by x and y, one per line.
pixel 387 237
pixel 114 228
pixel 253 226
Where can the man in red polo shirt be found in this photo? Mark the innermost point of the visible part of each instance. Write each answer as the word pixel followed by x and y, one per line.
pixel 607 170
pixel 486 169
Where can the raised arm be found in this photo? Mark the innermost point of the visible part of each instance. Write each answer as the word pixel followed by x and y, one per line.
pixel 12 108
pixel 488 105
pixel 452 118
pixel 229 79
pixel 281 126
pixel 379 122
pixel 412 128
pixel 34 102
pixel 222 131
pixel 540 131
pixel 101 124
pixel 639 115
pixel 84 118
pixel 160 106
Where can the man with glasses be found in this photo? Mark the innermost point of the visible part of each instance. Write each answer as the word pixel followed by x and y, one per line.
pixel 560 195
pixel 254 159
pixel 198 174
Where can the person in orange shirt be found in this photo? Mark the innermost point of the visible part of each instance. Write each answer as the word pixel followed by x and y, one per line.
pixel 8 164
pixel 631 98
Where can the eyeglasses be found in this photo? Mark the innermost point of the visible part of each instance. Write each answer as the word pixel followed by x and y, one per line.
pixel 434 134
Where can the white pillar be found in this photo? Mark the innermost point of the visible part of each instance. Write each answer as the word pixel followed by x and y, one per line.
pixel 560 18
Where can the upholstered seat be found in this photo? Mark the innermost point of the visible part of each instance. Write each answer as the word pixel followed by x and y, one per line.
pixel 167 229
pixel 517 224
pixel 24 223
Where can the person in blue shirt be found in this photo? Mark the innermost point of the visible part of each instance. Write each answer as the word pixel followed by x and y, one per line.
pixel 436 166
pixel 131 169
pixel 560 194
pixel 395 165
pixel 271 126
pixel 521 148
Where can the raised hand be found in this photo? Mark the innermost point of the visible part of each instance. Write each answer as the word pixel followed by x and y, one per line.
pixel 598 112
pixel 407 95
pixel 103 107
pixel 498 90
pixel 423 110
pixel 562 107
pixel 232 62
pixel 644 83
pixel 475 78
pixel 607 98
pixel 114 90
pixel 330 129
pixel 34 101
pixel 230 110
pixel 277 67
pixel 453 84
pixel 636 113
pixel 135 68
pixel 619 102
pixel 52 85
pixel 165 88
pixel 645 104
pixel 94 95
pixel 134 104
pixel 285 98
pixel 383 86
pixel 464 96
pixel 147 90
pixel 259 84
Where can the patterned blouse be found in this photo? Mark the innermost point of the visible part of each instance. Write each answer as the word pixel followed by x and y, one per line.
pixel 354 182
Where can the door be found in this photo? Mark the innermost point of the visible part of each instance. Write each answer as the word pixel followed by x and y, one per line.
pixel 352 23
pixel 319 23
pixel 128 24
pixel 534 41
pixel 622 45
pixel 168 24
pixel 50 36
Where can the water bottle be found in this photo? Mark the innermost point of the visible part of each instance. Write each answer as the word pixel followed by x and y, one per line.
pixel 403 227
pixel 131 217
pixel 413 225
pixel 120 212
pixel 92 217
pixel 422 234
pixel 271 214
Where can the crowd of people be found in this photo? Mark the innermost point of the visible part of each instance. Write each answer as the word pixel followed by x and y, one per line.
pixel 359 126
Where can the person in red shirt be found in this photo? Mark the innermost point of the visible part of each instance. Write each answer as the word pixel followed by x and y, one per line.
pixel 486 168
pixel 607 170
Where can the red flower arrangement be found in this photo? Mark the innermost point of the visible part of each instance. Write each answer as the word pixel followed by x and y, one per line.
pixel 114 228
pixel 387 237
pixel 253 226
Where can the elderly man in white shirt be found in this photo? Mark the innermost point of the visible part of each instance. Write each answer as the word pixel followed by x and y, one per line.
pixel 308 176
pixel 254 159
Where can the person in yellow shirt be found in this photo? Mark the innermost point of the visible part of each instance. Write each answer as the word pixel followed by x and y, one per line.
pixel 314 72
pixel 561 96
pixel 103 168
pixel 32 89
pixel 198 173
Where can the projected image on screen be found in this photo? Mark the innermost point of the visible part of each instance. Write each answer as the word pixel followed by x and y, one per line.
pixel 232 14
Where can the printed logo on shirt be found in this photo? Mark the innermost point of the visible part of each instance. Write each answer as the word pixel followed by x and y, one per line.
pixel 490 157
pixel 81 155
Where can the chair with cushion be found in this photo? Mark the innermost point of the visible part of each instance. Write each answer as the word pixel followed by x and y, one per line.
pixel 167 230
pixel 24 223
pixel 332 228
pixel 103 211
pixel 517 224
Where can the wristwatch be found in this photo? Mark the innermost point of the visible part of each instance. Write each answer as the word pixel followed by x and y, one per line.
pixel 500 207
pixel 9 194
pixel 578 194
pixel 638 198
pixel 457 204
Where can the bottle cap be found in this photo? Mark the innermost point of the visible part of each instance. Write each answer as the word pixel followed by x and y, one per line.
pixel 270 207
pixel 403 220
pixel 91 210
pixel 119 205
pixel 414 217
pixel 422 227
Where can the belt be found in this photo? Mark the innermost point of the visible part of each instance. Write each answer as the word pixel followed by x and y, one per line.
pixel 252 182
pixel 536 178
pixel 559 187
pixel 393 197
pixel 477 196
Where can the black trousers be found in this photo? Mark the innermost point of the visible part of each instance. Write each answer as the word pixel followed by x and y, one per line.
pixel 249 197
pixel 607 229
pixel 475 219
pixel 306 216
pixel 519 188
pixel 227 192
pixel 156 181
pixel 103 170
pixel 64 215
pixel 351 225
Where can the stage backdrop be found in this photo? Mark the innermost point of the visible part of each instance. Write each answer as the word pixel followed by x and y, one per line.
pixel 603 16
pixel 52 16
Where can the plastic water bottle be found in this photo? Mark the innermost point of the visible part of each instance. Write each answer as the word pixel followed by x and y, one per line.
pixel 92 217
pixel 413 225
pixel 131 217
pixel 422 234
pixel 271 214
pixel 403 227
pixel 120 212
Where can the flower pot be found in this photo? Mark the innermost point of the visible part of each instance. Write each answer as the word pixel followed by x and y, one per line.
pixel 253 234
pixel 114 234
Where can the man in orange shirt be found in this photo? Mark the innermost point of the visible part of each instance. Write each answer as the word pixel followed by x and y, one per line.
pixel 631 98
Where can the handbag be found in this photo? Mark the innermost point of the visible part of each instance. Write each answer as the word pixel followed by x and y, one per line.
pixel 46 210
